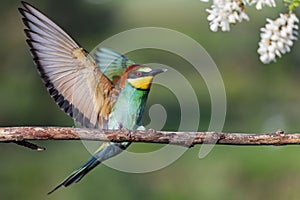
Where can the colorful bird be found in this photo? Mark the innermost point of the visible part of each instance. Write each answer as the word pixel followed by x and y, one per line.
pixel 108 92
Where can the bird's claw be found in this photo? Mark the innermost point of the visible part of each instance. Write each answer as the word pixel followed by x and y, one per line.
pixel 141 128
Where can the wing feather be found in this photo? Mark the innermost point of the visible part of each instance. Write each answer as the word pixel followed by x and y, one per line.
pixel 111 63
pixel 69 72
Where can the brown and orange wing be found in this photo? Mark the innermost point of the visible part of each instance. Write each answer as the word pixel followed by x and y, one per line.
pixel 68 71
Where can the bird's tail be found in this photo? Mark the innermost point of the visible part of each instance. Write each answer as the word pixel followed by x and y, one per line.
pixel 106 151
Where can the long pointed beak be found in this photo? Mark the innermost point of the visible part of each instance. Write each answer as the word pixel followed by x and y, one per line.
pixel 157 71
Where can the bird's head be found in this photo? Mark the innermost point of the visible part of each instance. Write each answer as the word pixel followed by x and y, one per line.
pixel 139 76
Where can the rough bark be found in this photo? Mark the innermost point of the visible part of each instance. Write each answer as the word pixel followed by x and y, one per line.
pixel 21 135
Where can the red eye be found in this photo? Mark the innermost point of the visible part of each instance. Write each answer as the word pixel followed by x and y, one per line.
pixel 138 73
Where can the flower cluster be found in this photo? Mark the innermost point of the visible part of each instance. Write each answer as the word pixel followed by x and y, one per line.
pixel 226 12
pixel 259 4
pixel 277 37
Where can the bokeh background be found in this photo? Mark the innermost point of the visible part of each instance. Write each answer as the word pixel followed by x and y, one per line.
pixel 260 98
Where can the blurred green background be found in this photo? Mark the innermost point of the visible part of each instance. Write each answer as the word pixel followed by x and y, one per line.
pixel 260 98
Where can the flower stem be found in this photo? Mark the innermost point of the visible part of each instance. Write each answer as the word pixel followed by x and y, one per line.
pixel 292 4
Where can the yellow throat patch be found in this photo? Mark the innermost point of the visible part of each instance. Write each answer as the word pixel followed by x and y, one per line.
pixel 142 83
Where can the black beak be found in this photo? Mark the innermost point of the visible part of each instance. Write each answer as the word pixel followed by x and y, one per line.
pixel 157 71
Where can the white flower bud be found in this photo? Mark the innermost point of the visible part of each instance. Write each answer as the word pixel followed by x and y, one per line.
pixel 277 37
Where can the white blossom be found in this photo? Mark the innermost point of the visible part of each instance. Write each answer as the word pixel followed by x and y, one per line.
pixel 277 37
pixel 259 4
pixel 225 12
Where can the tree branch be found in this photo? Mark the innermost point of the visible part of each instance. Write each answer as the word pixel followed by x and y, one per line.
pixel 21 135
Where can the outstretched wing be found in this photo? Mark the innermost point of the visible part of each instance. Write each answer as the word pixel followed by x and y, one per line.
pixel 112 64
pixel 70 74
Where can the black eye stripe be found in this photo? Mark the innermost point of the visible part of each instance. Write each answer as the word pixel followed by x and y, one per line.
pixel 136 74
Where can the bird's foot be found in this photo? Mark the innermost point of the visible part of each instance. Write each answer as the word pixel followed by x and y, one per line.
pixel 119 126
pixel 141 128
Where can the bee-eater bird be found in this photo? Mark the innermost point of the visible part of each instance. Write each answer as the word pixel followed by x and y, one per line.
pixel 108 92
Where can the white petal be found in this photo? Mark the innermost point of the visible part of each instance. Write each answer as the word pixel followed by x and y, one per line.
pixel 264 59
pixel 214 27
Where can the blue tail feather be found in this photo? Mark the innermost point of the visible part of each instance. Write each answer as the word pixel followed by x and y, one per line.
pixel 79 173
pixel 106 151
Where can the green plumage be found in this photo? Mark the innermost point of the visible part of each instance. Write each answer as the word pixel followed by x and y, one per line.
pixel 109 92
pixel 111 63
pixel 129 108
